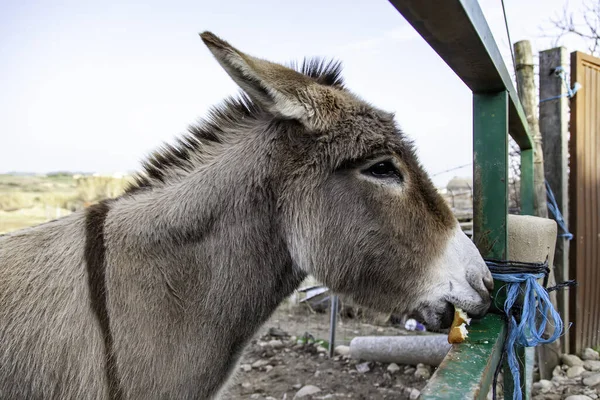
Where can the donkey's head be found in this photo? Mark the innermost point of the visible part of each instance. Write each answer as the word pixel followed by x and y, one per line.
pixel 354 205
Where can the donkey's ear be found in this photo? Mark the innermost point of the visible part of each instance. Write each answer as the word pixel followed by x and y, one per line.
pixel 280 90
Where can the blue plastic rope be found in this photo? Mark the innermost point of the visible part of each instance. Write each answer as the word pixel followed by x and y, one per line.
pixel 562 74
pixel 529 330
pixel 556 214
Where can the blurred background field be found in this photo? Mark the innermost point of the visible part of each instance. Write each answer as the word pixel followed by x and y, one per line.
pixel 28 199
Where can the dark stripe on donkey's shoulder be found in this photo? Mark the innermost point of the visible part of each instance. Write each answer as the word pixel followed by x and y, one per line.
pixel 95 258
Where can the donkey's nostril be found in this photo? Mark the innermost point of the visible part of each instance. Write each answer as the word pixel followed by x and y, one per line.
pixel 488 282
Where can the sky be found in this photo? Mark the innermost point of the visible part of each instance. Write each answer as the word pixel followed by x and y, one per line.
pixel 95 86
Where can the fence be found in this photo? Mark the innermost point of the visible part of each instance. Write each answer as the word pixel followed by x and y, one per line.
pixel 458 32
pixel 584 202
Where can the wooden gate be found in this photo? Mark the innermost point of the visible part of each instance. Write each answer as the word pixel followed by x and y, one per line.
pixel 584 202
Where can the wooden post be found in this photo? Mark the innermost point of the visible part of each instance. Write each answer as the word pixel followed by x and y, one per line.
pixel 528 96
pixel 554 127
pixel 548 355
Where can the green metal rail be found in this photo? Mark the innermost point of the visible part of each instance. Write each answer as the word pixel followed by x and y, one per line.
pixel 458 32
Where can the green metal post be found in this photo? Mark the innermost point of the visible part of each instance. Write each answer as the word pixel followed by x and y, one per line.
pixel 490 203
pixel 490 173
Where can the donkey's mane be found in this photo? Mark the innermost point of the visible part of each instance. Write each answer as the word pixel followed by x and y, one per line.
pixel 209 136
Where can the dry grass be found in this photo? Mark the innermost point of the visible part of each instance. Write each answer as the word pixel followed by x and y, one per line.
pixel 31 200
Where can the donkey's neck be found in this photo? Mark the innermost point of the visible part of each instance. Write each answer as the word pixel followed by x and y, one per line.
pixel 193 270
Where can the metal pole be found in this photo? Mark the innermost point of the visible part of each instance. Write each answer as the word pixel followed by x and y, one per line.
pixel 332 324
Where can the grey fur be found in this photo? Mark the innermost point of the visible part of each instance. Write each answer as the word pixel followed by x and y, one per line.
pixel 198 256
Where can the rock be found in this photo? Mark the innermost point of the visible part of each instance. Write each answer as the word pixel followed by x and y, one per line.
pixel 592 380
pixel 591 365
pixel 321 349
pixel 276 343
pixel 587 374
pixel 578 397
pixel 246 367
pixel 543 386
pixel 559 380
pixel 558 371
pixel 393 368
pixel 307 390
pixel 423 373
pixel 297 386
pixel 409 370
pixel 255 396
pixel 414 394
pixel 268 368
pixel 363 367
pixel 246 385
pixel 590 354
pixel 260 363
pixel 547 396
pixel 571 360
pixel 575 371
pixel 276 332
pixel 342 350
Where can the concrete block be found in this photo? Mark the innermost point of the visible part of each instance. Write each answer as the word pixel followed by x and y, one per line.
pixel 412 350
pixel 531 239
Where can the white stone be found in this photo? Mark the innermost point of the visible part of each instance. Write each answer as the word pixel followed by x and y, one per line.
pixel 575 371
pixel 342 350
pixel 321 349
pixel 571 360
pixel 414 394
pixel 558 371
pixel 590 354
pixel 246 367
pixel 268 368
pixel 363 368
pixel 260 363
pixel 578 397
pixel 423 373
pixel 543 386
pixel 592 380
pixel 591 365
pixel 306 391
pixel 276 344
pixel 559 379
pixel 393 368
pixel 587 374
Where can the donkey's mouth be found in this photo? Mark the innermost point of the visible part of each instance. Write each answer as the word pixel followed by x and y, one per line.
pixel 435 318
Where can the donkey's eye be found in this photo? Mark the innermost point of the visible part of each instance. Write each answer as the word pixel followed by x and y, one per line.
pixel 384 170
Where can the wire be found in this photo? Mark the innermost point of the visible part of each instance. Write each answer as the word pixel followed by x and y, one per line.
pixel 451 169
pixel 510 43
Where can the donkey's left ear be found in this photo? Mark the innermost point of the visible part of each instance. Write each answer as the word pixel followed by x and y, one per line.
pixel 280 90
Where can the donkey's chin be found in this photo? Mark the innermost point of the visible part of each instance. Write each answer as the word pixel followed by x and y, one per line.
pixel 435 317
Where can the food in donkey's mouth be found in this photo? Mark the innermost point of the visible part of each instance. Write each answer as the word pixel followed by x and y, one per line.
pixel 458 331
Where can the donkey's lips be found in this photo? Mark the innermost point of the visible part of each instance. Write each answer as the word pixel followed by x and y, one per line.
pixel 435 318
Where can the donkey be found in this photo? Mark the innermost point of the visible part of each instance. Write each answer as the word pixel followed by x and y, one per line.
pixel 154 294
